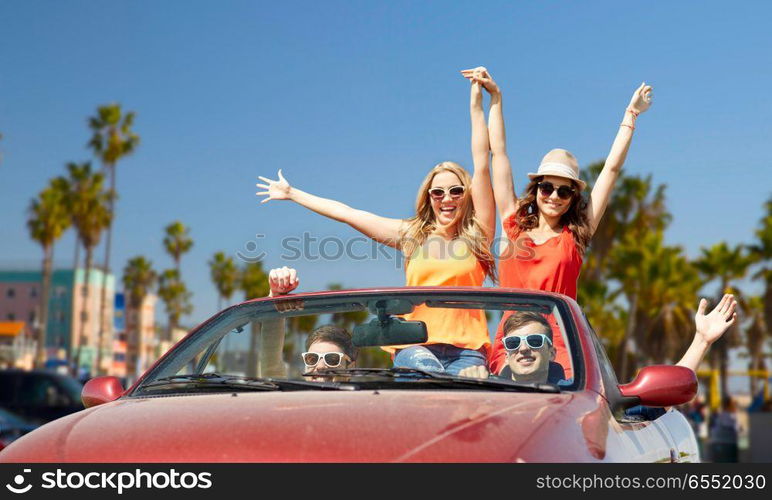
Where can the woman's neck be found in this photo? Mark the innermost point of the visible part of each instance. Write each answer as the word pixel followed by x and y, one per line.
pixel 549 224
pixel 446 232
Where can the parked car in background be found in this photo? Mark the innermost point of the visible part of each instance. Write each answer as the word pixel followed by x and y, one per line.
pixel 213 384
pixel 12 427
pixel 39 396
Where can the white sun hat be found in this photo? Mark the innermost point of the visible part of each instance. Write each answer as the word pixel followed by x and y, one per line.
pixel 560 163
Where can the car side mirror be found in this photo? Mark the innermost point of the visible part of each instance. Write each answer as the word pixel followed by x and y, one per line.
pixel 101 390
pixel 660 386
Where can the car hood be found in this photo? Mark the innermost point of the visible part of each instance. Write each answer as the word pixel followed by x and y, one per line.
pixel 306 426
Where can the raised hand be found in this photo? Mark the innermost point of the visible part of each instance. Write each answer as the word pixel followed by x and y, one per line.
pixel 282 281
pixel 641 99
pixel 713 325
pixel 481 76
pixel 274 190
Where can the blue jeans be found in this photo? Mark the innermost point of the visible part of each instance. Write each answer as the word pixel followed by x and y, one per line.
pixel 442 358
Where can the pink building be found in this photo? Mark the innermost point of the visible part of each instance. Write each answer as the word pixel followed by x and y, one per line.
pixel 141 339
pixel 20 296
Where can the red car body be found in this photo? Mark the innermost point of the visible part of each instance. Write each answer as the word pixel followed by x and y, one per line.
pixel 379 425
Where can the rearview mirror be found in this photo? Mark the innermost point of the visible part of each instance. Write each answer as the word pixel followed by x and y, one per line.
pixel 661 385
pixel 389 331
pixel 100 390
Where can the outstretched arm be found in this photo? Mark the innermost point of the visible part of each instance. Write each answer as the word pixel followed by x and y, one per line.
pixel 710 327
pixel 381 229
pixel 281 281
pixel 482 192
pixel 601 192
pixel 503 186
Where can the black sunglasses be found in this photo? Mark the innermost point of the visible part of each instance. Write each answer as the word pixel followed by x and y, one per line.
pixel 564 192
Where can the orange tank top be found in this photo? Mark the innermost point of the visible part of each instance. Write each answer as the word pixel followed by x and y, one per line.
pixel 465 328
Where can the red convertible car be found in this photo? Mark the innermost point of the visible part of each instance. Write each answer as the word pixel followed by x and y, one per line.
pixel 210 398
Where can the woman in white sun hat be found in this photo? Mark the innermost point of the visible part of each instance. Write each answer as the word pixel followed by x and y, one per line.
pixel 551 225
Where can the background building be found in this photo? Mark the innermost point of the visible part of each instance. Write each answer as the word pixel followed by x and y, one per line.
pixel 20 296
pixel 136 342
pixel 17 345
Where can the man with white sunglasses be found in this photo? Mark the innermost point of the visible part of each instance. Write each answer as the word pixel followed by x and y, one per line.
pixel 328 346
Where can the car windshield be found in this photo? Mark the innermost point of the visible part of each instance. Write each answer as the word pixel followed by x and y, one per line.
pixel 348 341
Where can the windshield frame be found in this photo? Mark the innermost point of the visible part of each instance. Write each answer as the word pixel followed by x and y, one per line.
pixel 316 303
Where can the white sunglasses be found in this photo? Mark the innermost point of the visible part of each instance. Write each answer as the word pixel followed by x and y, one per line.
pixel 331 359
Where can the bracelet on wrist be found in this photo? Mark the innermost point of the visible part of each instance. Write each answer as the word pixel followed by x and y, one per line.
pixel 633 112
pixel 631 127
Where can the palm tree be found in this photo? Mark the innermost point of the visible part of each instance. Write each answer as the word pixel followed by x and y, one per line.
pixel 176 297
pixel 659 285
pixel 761 253
pixel 635 207
pixel 607 317
pixel 112 139
pixel 254 284
pixel 138 279
pixel 48 220
pixel 177 242
pixel 225 275
pixel 668 306
pixel 88 204
pixel 725 264
pixel 635 210
pixel 756 334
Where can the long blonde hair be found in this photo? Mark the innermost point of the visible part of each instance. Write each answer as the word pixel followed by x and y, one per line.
pixel 418 228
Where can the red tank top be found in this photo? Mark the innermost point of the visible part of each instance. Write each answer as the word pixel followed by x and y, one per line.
pixel 552 266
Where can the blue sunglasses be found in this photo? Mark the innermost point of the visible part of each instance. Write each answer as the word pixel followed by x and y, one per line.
pixel 534 341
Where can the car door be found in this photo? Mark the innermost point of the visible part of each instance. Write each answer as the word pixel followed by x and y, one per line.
pixel 632 439
pixel 675 425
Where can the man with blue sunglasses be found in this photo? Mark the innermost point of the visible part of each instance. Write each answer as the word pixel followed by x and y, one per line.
pixel 528 341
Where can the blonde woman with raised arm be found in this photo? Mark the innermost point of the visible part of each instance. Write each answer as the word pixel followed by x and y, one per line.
pixel 445 243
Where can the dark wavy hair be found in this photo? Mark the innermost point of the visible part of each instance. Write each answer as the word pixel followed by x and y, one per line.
pixel 527 214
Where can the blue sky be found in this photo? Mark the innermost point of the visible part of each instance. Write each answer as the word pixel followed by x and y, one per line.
pixel 358 100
